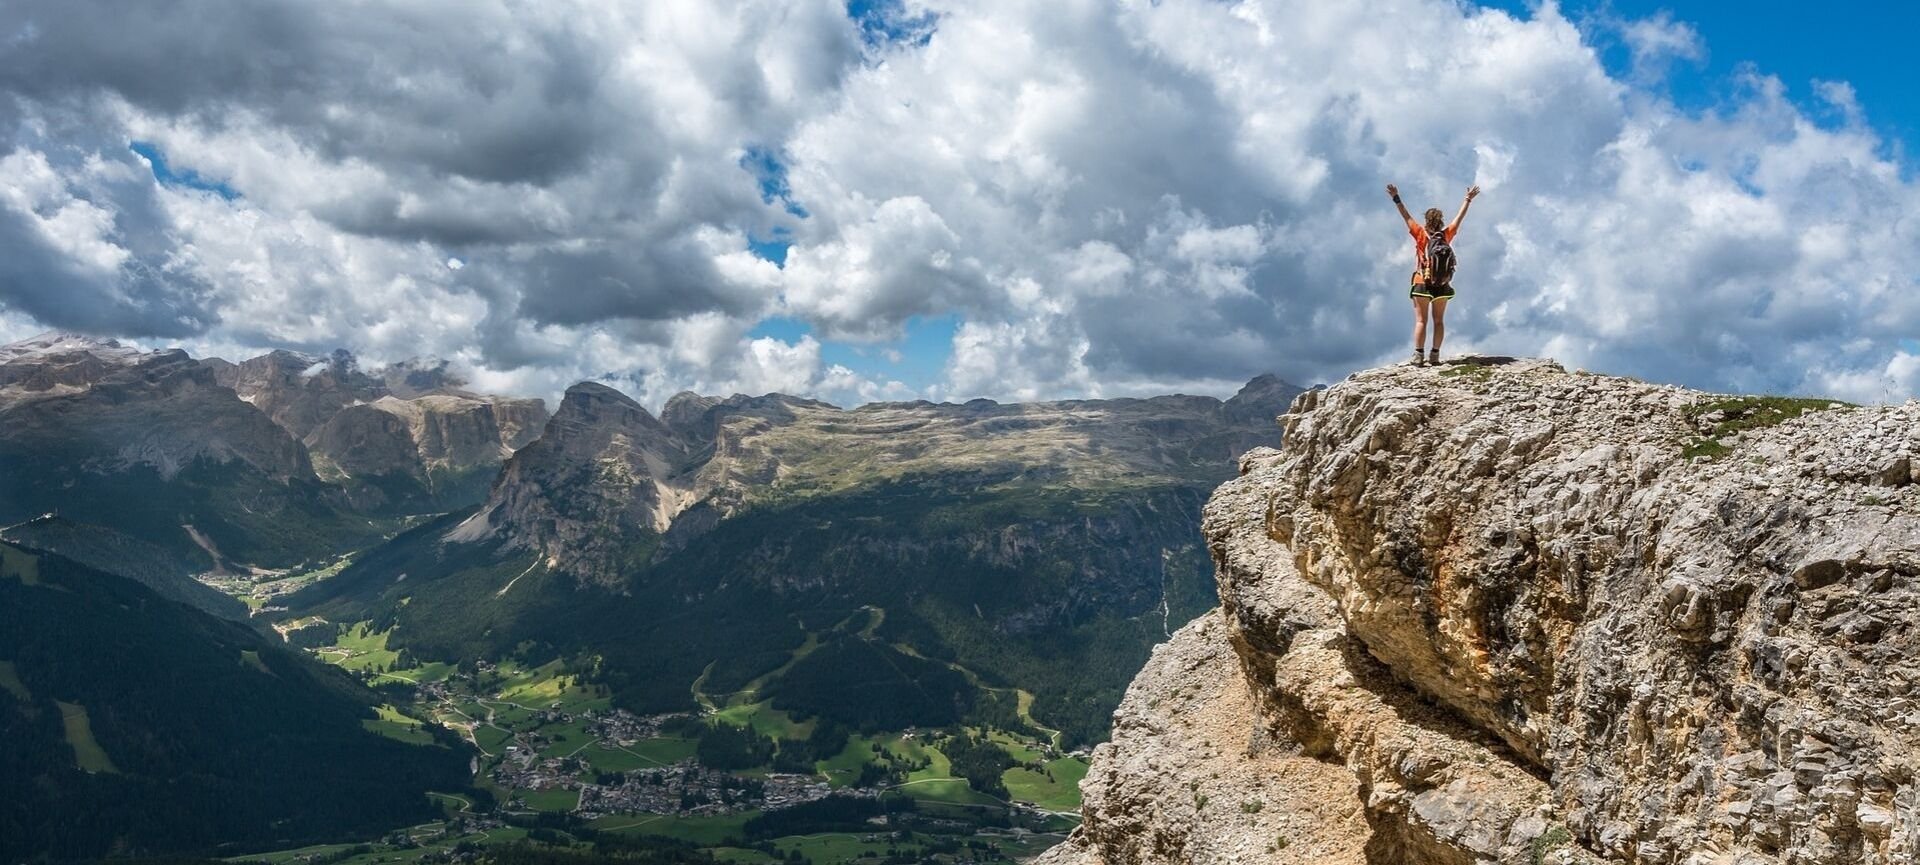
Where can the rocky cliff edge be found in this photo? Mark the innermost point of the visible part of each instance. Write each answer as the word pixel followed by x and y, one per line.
pixel 1498 612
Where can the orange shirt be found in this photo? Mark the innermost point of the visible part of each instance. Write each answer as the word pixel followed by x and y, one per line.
pixel 1419 233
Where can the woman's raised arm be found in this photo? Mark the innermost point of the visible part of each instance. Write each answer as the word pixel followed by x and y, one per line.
pixel 1472 193
pixel 1394 193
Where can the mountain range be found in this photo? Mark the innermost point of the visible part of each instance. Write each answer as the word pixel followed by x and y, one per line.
pixel 1043 546
pixel 1012 563
pixel 269 463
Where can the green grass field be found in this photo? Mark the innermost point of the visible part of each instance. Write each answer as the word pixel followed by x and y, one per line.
pixel 565 740
pixel 914 749
pixel 1020 749
pixel 952 791
pixel 492 740
pixel 365 650
pixel 19 565
pixel 741 856
pixel 437 671
pixel 834 846
pixel 86 751
pixel 10 682
pixel 506 714
pixel 765 720
pixel 844 768
pixel 1060 794
pixel 279 857
pixel 251 658
pixel 641 755
pixel 547 687
pixel 382 854
pixel 551 800
pixel 394 724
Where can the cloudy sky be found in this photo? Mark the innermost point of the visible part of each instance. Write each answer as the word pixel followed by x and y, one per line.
pixel 892 199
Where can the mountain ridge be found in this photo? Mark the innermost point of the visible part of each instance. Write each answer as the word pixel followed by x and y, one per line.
pixel 149 444
pixel 979 527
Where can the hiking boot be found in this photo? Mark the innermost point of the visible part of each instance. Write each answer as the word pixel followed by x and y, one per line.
pixel 1433 357
pixel 1418 359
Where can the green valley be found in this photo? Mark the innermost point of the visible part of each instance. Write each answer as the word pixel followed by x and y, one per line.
pixel 747 629
pixel 561 770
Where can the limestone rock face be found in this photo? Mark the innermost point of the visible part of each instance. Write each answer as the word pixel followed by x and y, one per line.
pixel 299 391
pixel 363 441
pixel 1527 627
pixel 405 437
pixel 119 407
pixel 148 444
pixel 603 470
pixel 519 419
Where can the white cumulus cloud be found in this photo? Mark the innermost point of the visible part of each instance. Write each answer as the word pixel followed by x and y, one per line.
pixel 1111 196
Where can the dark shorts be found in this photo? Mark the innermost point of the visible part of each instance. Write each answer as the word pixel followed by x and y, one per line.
pixel 1419 289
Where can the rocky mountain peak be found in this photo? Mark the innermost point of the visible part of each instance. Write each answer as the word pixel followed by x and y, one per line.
pixel 417 376
pixel 591 398
pixel 53 343
pixel 1500 612
pixel 1265 396
pixel 603 470
pixel 53 364
pixel 592 416
pixel 690 415
pixel 300 391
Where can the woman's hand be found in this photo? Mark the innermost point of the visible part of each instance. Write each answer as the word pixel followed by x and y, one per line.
pixel 1472 192
pixel 1393 191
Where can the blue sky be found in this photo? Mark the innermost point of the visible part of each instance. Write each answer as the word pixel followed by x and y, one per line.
pixel 168 175
pixel 917 359
pixel 1865 43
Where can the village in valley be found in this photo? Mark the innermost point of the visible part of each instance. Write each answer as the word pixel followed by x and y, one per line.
pixel 562 763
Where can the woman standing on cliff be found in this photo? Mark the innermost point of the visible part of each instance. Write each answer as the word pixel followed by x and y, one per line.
pixel 1433 262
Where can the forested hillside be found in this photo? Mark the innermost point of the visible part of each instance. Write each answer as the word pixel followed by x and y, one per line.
pixel 135 725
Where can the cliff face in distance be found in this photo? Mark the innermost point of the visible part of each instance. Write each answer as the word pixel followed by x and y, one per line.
pixel 406 438
pixel 605 470
pixel 1503 613
pixel 151 445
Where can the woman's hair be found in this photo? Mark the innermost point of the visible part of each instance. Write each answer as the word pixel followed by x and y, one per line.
pixel 1435 219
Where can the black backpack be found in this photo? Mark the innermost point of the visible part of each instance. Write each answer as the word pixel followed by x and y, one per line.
pixel 1440 260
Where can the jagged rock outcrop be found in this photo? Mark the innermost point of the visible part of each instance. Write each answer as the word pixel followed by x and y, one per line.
pixel 1540 616
pixel 361 441
pixel 602 473
pixel 298 391
pixel 404 438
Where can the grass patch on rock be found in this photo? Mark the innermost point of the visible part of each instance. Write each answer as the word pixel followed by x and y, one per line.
pixel 1553 839
pixel 1720 418
pixel 1741 413
pixel 1474 371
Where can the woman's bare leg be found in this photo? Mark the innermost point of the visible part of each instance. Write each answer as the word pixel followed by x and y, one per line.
pixel 1439 321
pixel 1420 305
